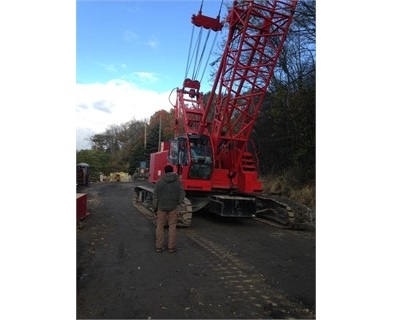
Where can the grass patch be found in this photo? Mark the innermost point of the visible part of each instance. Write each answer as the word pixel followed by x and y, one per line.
pixel 287 185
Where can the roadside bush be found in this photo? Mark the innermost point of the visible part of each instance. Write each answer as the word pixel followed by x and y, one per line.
pixel 287 184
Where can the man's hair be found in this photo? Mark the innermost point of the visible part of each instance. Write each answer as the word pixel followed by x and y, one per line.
pixel 168 169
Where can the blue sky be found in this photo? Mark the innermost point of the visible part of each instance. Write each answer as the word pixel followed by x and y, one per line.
pixel 130 55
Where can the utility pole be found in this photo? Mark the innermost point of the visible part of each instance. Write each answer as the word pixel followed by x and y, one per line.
pixel 160 132
pixel 144 144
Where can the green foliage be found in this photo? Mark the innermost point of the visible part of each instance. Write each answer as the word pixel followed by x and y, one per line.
pixel 285 132
pixel 98 161
pixel 136 157
pixel 123 147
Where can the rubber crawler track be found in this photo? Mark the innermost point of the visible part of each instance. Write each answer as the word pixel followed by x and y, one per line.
pixel 283 213
pixel 274 210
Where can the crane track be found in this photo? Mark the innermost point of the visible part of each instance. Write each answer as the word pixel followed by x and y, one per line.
pixel 284 213
pixel 143 200
pixel 274 210
pixel 270 223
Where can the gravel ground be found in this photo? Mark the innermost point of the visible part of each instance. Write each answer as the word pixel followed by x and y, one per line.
pixel 223 269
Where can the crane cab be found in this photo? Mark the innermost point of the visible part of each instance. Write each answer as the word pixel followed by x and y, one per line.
pixel 192 157
pixel 192 154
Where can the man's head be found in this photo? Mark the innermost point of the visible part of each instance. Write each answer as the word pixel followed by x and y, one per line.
pixel 168 169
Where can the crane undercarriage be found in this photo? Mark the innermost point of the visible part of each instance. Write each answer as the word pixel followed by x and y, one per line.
pixel 277 210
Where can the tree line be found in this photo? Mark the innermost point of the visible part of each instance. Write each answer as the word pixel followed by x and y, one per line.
pixel 284 132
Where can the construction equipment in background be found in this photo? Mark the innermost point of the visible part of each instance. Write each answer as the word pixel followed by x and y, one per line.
pixel 83 171
pixel 141 172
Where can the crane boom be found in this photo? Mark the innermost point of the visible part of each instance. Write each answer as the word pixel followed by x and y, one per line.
pixel 257 32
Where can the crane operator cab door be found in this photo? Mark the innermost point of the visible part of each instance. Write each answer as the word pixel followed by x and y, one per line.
pixel 193 152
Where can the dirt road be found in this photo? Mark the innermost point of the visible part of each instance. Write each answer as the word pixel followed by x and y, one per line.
pixel 224 268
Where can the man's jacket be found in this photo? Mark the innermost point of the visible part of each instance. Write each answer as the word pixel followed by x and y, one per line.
pixel 168 192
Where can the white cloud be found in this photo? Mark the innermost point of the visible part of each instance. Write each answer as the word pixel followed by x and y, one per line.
pixel 130 36
pixel 82 138
pixel 153 43
pixel 146 76
pixel 110 67
pixel 98 106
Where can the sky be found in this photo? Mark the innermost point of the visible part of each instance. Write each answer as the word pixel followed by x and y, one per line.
pixel 130 58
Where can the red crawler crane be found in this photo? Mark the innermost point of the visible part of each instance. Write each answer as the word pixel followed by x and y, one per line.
pixel 212 150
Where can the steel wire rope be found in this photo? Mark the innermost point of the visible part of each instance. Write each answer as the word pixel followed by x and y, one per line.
pixel 196 51
pixel 169 97
pixel 197 64
pixel 208 58
pixel 202 54
pixel 213 44
pixel 189 52
pixel 189 59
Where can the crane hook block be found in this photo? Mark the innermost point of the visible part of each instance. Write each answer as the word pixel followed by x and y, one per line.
pixel 206 22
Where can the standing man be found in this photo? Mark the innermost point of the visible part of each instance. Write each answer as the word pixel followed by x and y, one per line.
pixel 167 196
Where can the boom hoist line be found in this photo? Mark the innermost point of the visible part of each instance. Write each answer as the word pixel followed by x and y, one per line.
pixel 189 108
pixel 204 23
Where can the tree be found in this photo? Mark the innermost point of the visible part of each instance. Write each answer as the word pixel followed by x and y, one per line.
pixel 285 129
pixel 98 161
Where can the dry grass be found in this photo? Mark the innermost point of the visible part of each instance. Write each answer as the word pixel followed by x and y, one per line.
pixel 286 186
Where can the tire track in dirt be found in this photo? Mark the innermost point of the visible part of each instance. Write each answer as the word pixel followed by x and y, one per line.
pixel 250 293
pixel 248 287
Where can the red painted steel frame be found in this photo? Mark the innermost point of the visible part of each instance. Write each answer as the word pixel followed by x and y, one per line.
pixel 256 34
